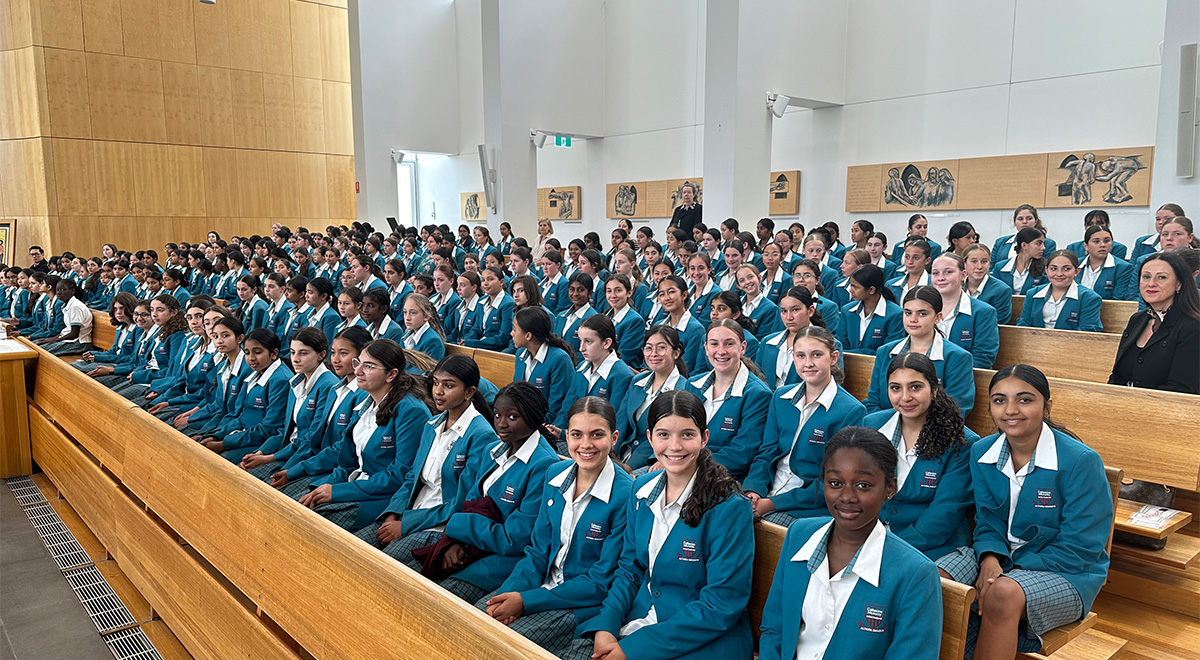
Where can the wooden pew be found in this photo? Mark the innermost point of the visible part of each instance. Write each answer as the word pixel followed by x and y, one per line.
pixel 494 366
pixel 260 576
pixel 1086 356
pixel 104 333
pixel 1114 314
pixel 768 544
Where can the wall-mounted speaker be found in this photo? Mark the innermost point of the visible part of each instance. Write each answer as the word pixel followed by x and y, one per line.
pixel 1185 153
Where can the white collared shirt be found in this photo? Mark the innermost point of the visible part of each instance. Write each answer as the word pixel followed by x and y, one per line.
pixel 594 374
pixel 302 387
pixel 429 493
pixel 647 384
pixel 575 316
pixel 365 284
pixel 748 306
pixel 666 514
pixel 1018 278
pixel 550 282
pixel 1053 308
pixel 363 430
pixel 1090 276
pixel 826 596
pixel 923 280
pixel 574 507
pixel 314 319
pixel 340 391
pixel 907 457
pixel 534 359
pixel 683 321
pixel 617 317
pixel 492 302
pixel 410 341
pixel 783 359
pixel 785 480
pixel 982 286
pixel 77 313
pixel 947 322
pixel 383 328
pixel 728 281
pixel 468 305
pixel 1045 456
pixel 937 349
pixel 713 400
pixel 864 319
pixel 505 459
pixel 264 375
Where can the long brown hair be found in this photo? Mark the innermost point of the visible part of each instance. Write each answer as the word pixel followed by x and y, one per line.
pixel 391 356
pixel 713 483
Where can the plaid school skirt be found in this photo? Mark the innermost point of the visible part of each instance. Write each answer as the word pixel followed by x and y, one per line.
pixel 1050 600
pixel 552 630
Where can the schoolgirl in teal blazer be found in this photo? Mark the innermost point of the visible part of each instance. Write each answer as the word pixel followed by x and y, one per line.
pixel 1003 272
pixel 735 430
pixel 462 319
pixel 517 494
pixel 444 306
pixel 387 457
pixel 886 324
pixel 305 425
pixel 766 318
pixel 612 385
pixel 954 365
pixel 632 426
pixel 803 451
pixel 568 328
pixel 999 295
pixel 1116 281
pixel 593 549
pixel 631 334
pixel 552 375
pixel 193 382
pixel 931 509
pixel 494 329
pixel 122 350
pixel 460 472
pixel 1081 310
pixel 893 612
pixel 327 319
pixel 430 342
pixel 166 352
pixel 262 413
pixel 976 330
pixel 768 356
pixel 336 416
pixel 1064 511
pixel 700 584
pixel 222 399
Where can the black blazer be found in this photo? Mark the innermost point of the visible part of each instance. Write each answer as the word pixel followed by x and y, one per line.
pixel 1170 360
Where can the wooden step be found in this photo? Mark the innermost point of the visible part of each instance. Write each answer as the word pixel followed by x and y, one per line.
pixel 1155 585
pixel 164 641
pixel 1180 552
pixel 49 491
pixel 1057 638
pixel 1091 645
pixel 1153 632
pixel 1126 508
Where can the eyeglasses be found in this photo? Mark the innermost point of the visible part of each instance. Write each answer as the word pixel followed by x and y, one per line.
pixel 141 315
pixel 365 366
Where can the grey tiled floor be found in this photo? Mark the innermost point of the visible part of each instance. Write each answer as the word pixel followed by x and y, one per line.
pixel 40 617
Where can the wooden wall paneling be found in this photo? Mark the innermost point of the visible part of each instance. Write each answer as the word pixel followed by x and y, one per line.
pixel 279 112
pixel 67 93
pixel 6 26
pixel 102 27
pixel 58 23
pixel 314 201
pixel 862 192
pixel 216 107
pixel 181 103
pixel 1001 182
pixel 28 179
pixel 245 36
pixel 335 45
pixel 26 108
pixel 74 176
pixel 115 193
pixel 20 24
pixel 254 183
pixel 283 184
pixel 275 16
pixel 339 172
pixel 140 27
pixel 221 182
pixel 177 27
pixel 6 165
pixel 80 234
pixel 152 179
pixel 249 128
pixel 306 39
pixel 77 477
pixel 339 120
pixel 32 230
pixel 212 33
pixel 310 115
pixel 187 180
pixel 126 98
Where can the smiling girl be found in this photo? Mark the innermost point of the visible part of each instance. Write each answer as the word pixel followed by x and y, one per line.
pixel 1062 303
pixel 673 296
pixel 1111 277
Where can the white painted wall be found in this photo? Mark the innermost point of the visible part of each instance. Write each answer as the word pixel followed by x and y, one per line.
pixel 922 80
pixel 1183 27
pixel 943 79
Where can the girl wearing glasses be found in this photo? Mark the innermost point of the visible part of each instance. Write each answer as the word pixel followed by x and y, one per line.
pixel 379 443
pixel 807 273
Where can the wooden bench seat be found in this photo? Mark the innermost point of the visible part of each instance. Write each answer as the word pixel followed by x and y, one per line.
pixel 1114 314
pixel 1181 552
pixel 1126 508
pixel 1086 356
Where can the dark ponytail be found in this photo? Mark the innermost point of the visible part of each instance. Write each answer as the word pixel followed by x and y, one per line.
pixel 713 483
pixel 465 370
pixel 803 295
pixel 536 321
pixel 871 276
pixel 1028 235
pixel 603 326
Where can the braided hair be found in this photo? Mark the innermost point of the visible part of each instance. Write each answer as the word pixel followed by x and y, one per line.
pixel 531 405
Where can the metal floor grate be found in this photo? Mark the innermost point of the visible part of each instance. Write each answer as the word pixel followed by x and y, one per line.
pixel 25 490
pixel 131 644
pixel 101 602
pixel 63 547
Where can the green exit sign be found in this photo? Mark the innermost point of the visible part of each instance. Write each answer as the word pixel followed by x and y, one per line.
pixel 562 141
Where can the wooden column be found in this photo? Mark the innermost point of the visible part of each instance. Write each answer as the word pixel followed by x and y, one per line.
pixel 15 456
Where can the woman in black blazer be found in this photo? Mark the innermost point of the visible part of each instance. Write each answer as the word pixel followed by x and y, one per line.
pixel 1160 348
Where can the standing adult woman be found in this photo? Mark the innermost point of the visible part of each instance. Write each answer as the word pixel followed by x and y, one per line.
pixel 1043 513
pixel 379 443
pixel 966 321
pixel 1160 346
pixel 545 232
pixel 1061 303
pixel 701 568
pixel 953 364
pixel 1025 216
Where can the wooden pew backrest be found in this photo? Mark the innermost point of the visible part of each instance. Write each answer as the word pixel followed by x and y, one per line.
pixel 104 333
pixel 1086 356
